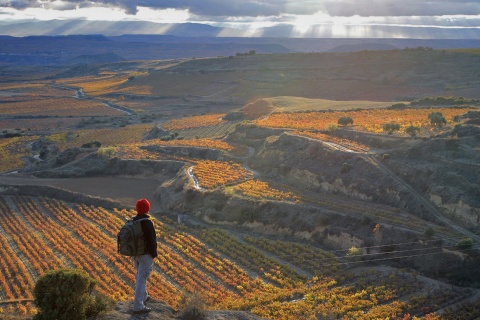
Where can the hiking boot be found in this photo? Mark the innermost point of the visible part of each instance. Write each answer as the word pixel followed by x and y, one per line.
pixel 144 310
pixel 147 299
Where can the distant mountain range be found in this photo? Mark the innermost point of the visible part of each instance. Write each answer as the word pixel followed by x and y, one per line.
pixel 189 40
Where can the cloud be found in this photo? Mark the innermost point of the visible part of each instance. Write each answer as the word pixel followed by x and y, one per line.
pixel 389 8
pixel 270 8
pixel 206 8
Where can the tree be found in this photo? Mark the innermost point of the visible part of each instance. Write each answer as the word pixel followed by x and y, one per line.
pixel 390 127
pixel 344 121
pixel 412 130
pixel 437 119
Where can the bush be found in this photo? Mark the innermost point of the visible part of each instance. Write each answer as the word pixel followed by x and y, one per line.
pixel 346 167
pixel 106 152
pixel 390 127
pixel 429 233
pixel 398 106
pixel 464 244
pixel 437 119
pixel 412 130
pixel 344 121
pixel 332 128
pixel 66 294
pixel 353 251
pixel 192 307
pixel 93 144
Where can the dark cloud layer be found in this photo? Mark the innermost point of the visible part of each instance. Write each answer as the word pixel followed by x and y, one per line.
pixel 257 8
pixel 401 8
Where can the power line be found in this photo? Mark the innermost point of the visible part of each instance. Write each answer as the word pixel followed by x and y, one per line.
pixel 393 258
pixel 373 254
pixel 389 245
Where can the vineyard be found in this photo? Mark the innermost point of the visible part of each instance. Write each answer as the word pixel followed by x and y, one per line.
pixel 213 174
pixel 369 120
pixel 261 190
pixel 227 271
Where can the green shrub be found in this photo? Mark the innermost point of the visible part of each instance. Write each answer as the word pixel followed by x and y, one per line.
pixel 93 144
pixel 344 121
pixel 390 127
pixel 412 130
pixel 465 244
pixel 429 233
pixel 67 294
pixel 437 119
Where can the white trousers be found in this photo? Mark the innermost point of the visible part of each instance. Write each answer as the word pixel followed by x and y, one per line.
pixel 144 265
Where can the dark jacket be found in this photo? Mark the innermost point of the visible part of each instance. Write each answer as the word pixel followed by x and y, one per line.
pixel 149 233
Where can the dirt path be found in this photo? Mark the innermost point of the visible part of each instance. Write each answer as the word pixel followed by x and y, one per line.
pixel 80 94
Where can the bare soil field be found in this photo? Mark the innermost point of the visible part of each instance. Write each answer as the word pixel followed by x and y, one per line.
pixel 124 190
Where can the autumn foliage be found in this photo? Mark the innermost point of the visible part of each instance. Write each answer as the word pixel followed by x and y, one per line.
pixel 212 174
pixel 370 120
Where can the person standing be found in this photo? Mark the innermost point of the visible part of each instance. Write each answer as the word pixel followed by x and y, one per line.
pixel 144 262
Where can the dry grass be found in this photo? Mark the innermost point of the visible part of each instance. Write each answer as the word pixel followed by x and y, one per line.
pixel 107 137
pixel 293 104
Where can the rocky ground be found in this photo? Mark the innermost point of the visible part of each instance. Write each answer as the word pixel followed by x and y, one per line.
pixel 161 311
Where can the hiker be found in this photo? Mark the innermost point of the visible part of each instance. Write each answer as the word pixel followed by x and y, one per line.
pixel 144 262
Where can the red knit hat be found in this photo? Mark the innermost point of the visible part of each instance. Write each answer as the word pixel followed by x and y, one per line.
pixel 143 206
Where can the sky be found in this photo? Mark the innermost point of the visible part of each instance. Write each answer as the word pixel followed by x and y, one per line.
pixel 337 18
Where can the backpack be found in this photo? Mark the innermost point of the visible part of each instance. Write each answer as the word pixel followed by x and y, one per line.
pixel 130 239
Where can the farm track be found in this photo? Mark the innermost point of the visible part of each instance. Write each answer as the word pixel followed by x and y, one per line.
pixel 79 94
